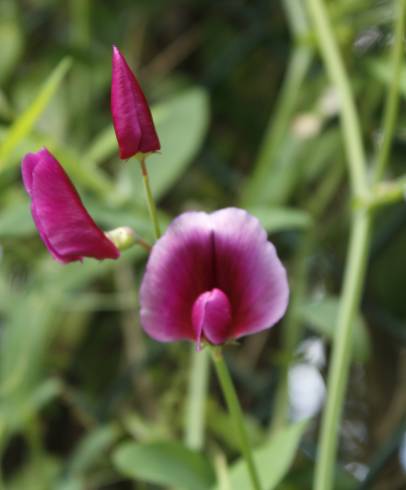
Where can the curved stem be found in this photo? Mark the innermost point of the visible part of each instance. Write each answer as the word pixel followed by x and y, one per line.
pixel 338 373
pixel 358 248
pixel 349 119
pixel 392 100
pixel 196 401
pixel 234 408
pixel 150 200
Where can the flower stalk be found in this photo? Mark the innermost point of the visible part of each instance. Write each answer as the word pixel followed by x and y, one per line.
pixel 236 413
pixel 360 229
pixel 392 101
pixel 196 400
pixel 150 200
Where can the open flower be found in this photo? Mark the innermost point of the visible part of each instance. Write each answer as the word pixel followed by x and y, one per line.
pixel 214 277
pixel 66 228
pixel 132 120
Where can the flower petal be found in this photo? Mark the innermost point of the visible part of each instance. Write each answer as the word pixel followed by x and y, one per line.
pixel 132 120
pixel 29 162
pixel 212 275
pixel 179 269
pixel 211 317
pixel 64 225
pixel 248 271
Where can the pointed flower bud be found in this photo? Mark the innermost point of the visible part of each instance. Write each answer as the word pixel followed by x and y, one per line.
pixel 65 227
pixel 212 277
pixel 132 120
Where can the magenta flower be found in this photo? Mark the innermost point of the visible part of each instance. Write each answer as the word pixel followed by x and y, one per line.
pixel 132 120
pixel 213 277
pixel 66 228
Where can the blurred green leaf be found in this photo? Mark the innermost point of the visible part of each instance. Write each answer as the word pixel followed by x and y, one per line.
pixel 181 124
pixel 275 170
pixel 16 220
pixel 11 38
pixel 275 219
pixel 164 463
pixel 272 460
pixel 381 69
pixel 26 121
pixel 322 316
pixel 39 473
pixel 23 341
pixel 220 423
pixel 282 176
pixel 18 409
pixel 92 447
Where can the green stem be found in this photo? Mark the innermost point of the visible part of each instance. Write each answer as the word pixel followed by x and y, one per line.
pixel 291 333
pixel 293 325
pixel 386 193
pixel 358 248
pixel 150 200
pixel 392 101
pixel 197 395
pixel 339 369
pixel 257 189
pixel 237 416
pixel 349 120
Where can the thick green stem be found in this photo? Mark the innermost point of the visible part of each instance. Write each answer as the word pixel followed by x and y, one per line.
pixel 392 101
pixel 338 374
pixel 358 248
pixel 197 396
pixel 349 120
pixel 234 408
pixel 150 200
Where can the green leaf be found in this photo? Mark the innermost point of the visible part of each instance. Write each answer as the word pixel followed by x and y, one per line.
pixel 26 121
pixel 164 463
pixel 181 124
pixel 272 460
pixel 322 317
pixel 275 219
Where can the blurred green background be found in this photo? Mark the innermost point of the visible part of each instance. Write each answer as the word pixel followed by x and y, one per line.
pixel 247 117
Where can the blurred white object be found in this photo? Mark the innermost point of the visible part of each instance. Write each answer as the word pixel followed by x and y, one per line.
pixel 306 391
pixel 402 453
pixel 329 103
pixel 368 39
pixel 358 470
pixel 313 352
pixel 306 125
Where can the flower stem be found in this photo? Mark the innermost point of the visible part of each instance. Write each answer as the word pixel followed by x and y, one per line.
pixel 358 248
pixel 349 120
pixel 292 330
pixel 392 100
pixel 234 408
pixel 257 190
pixel 339 369
pixel 197 396
pixel 150 200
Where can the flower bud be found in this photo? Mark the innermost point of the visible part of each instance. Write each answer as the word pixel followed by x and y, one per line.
pixel 132 120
